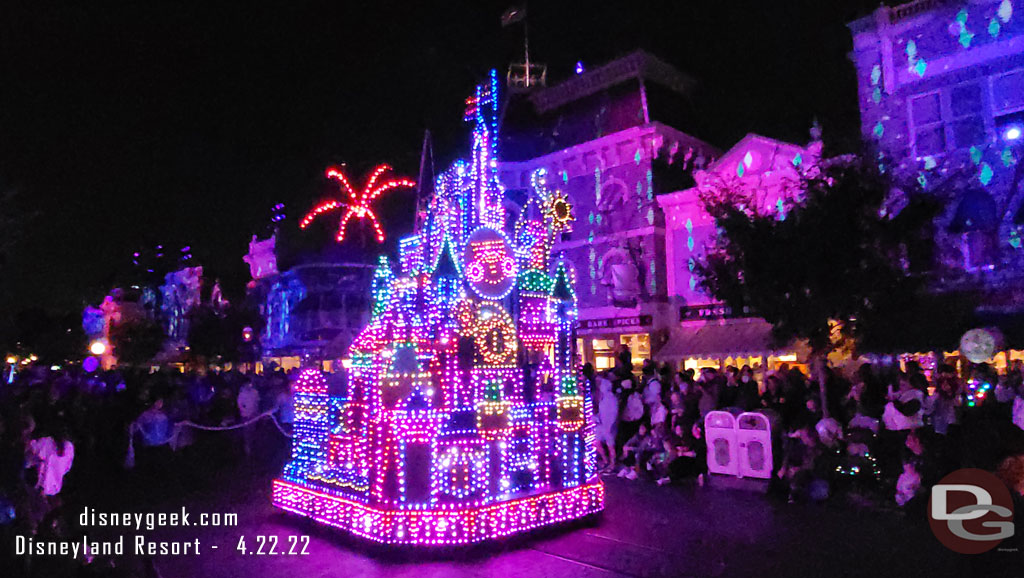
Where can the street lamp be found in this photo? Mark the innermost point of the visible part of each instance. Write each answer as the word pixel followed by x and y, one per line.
pixel 1010 128
pixel 98 347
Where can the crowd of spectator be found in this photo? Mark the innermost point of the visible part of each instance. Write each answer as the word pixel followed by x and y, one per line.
pixel 885 432
pixel 881 431
pixel 62 432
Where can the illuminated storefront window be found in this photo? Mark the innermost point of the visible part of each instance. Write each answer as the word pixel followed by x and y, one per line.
pixel 604 353
pixel 639 345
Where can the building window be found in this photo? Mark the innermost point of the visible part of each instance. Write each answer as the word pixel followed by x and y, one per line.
pixel 604 353
pixel 1008 105
pixel 927 109
pixel 639 345
pixel 950 119
pixel 930 140
pixel 1008 92
pixel 965 106
pixel 929 132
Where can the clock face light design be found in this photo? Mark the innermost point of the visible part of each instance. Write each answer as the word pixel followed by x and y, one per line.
pixel 490 264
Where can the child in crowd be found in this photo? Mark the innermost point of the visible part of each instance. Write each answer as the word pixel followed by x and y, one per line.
pixel 801 450
pixel 909 483
pixel 653 450
pixel 607 419
pixel 685 456
pixel 943 404
pixel 658 413
pixel 632 411
pixel 635 450
pixel 676 409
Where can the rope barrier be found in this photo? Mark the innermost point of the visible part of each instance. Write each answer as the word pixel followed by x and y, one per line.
pixel 277 424
pixel 172 440
pixel 251 421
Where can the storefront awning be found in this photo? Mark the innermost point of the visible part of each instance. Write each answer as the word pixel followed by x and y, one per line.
pixel 718 339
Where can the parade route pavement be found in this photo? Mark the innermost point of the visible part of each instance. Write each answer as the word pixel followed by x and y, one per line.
pixel 645 531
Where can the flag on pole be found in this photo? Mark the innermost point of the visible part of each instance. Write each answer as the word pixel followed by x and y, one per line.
pixel 425 184
pixel 513 15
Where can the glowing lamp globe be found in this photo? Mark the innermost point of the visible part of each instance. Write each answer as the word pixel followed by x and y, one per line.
pixel 97 348
pixel 980 345
pixel 90 364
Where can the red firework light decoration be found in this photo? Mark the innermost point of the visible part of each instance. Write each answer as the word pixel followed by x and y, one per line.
pixel 358 206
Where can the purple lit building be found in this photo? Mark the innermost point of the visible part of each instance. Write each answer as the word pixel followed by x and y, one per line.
pixel 706 333
pixel 613 138
pixel 941 92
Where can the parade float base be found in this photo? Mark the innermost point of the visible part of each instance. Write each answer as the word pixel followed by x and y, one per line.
pixel 439 527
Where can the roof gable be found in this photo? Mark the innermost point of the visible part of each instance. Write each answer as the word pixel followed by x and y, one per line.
pixel 755 154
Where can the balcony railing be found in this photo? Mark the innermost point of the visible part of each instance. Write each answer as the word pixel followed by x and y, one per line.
pixel 911 9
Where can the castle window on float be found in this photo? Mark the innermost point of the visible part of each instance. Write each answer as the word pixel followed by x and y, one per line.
pixel 464 419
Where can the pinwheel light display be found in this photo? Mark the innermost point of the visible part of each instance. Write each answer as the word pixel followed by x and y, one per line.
pixel 358 206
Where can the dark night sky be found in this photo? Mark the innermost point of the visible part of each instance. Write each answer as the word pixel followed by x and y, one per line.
pixel 123 123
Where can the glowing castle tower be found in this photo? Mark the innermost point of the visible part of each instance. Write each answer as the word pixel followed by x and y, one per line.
pixel 464 419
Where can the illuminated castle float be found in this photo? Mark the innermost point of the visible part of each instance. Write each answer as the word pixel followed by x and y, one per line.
pixel 464 418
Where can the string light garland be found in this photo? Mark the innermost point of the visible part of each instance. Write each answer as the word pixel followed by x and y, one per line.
pixel 358 206
pixel 461 422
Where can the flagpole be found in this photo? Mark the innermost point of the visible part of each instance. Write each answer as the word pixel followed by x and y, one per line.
pixel 417 219
pixel 526 43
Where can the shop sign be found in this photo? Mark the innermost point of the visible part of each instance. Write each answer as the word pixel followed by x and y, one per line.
pixel 705 312
pixel 616 322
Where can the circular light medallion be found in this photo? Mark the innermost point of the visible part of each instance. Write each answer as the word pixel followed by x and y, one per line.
pixel 562 210
pixel 979 345
pixel 490 264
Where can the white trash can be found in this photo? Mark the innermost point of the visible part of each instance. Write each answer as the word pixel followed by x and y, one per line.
pixel 720 433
